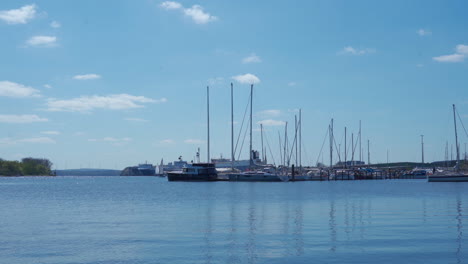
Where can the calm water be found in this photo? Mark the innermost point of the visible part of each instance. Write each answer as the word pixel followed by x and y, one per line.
pixel 149 220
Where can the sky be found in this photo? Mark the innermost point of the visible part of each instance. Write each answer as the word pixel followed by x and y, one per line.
pixel 110 84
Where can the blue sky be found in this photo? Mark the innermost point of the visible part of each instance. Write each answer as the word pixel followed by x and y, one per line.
pixel 114 83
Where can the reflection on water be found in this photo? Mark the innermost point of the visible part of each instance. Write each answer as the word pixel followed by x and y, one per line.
pixel 112 220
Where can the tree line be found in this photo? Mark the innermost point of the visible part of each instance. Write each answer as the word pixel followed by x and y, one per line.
pixel 26 167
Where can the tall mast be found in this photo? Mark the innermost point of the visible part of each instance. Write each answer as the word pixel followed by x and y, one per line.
pixel 331 144
pixel 422 149
pixel 352 149
pixel 232 127
pixel 300 139
pixel 360 150
pixel 345 154
pixel 261 135
pixel 295 136
pixel 251 101
pixel 368 153
pixel 456 137
pixel 280 149
pixel 285 144
pixel 208 118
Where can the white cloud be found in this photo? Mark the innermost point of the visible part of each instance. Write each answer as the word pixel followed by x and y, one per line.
pixel 216 80
pixel 167 141
pixel 292 84
pixel 50 132
pixel 424 32
pixel 271 122
pixel 462 49
pixel 79 133
pixel 251 59
pixel 168 5
pixel 199 16
pixel 89 76
pixel 11 89
pixel 21 119
pixel 194 141
pixel 270 112
pixel 196 12
pixel 48 86
pixel 55 24
pixel 90 103
pixel 461 52
pixel 247 78
pixel 112 140
pixel 42 41
pixel 353 51
pixel 21 15
pixel 420 65
pixel 135 119
pixel 41 140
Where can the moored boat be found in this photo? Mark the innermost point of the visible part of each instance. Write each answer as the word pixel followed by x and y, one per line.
pixel 195 172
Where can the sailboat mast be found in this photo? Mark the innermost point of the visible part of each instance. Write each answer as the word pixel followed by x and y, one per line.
pixel 285 151
pixel 368 153
pixel 232 127
pixel 360 146
pixel 456 136
pixel 295 137
pixel 251 101
pixel 331 144
pixel 300 139
pixel 345 146
pixel 208 118
pixel 261 136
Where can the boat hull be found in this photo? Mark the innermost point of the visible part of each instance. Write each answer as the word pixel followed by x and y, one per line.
pixel 191 177
pixel 448 178
pixel 254 178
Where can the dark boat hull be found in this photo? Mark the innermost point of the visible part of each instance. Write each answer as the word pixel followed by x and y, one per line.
pixel 191 177
pixel 448 178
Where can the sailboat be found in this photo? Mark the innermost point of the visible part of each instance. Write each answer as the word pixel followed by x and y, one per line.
pixel 197 171
pixel 451 176
pixel 254 175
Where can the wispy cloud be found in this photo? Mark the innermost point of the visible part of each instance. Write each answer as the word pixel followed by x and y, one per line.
pixel 216 80
pixel 112 140
pixel 12 89
pixel 55 24
pixel 193 141
pixel 37 140
pixel 48 86
pixel 354 51
pixel 271 122
pixel 461 52
pixel 42 41
pixel 89 76
pixel 246 78
pixel 196 12
pixel 424 32
pixel 253 58
pixel 169 5
pixel 51 132
pixel 292 84
pixel 111 102
pixel 21 119
pixel 167 141
pixel 270 113
pixel 135 119
pixel 21 15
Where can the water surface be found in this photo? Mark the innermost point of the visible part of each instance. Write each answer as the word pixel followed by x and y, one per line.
pixel 149 220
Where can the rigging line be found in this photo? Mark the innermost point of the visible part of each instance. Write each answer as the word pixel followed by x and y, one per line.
pixel 242 125
pixel 292 148
pixel 339 156
pixel 269 148
pixel 242 145
pixel 323 144
pixel 462 123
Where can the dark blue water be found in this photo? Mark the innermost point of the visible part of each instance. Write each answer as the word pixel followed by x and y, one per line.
pixel 149 220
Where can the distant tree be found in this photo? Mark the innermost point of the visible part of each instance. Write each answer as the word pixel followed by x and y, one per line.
pixel 33 166
pixel 10 168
